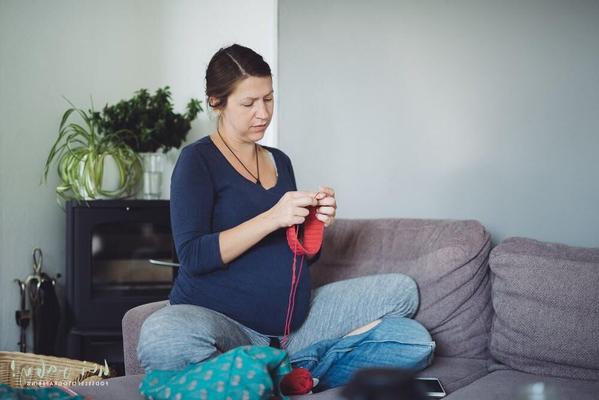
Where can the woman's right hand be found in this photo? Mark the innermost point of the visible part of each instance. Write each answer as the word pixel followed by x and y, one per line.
pixel 291 209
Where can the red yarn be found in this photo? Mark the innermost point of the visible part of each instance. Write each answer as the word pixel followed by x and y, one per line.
pixel 312 241
pixel 298 381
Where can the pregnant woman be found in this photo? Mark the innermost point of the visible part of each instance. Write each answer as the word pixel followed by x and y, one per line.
pixel 232 201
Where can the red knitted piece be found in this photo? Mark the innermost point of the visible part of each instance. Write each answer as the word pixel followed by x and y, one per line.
pixel 313 235
pixel 298 381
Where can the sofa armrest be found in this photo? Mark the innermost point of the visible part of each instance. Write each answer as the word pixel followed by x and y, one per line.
pixel 132 322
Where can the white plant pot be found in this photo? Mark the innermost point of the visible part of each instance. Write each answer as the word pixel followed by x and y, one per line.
pixel 110 180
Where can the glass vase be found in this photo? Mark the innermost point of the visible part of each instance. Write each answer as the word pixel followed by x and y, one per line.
pixel 152 177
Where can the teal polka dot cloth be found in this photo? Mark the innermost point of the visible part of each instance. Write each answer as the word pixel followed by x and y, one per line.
pixel 243 373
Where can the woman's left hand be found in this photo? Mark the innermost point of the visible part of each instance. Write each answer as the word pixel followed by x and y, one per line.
pixel 327 205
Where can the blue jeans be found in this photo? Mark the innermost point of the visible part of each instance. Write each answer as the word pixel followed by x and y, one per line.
pixel 396 342
pixel 177 335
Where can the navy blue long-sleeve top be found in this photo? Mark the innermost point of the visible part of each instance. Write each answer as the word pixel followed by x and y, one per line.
pixel 209 196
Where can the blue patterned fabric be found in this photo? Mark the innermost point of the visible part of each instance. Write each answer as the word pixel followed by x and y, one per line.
pixel 244 373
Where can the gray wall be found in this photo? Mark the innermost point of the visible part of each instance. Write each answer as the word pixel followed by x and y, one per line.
pixel 484 110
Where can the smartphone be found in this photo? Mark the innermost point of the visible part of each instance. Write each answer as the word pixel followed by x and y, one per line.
pixel 431 387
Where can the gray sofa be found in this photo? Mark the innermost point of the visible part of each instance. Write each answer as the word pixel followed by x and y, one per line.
pixel 522 318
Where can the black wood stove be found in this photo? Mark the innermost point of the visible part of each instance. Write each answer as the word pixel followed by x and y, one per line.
pixel 108 248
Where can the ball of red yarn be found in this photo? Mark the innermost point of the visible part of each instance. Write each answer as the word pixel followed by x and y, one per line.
pixel 298 381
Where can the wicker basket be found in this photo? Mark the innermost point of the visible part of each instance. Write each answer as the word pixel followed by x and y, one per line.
pixel 28 369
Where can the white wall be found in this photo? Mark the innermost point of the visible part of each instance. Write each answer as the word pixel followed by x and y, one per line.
pixel 463 109
pixel 107 49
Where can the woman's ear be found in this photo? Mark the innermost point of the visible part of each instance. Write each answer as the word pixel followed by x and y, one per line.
pixel 214 104
pixel 212 101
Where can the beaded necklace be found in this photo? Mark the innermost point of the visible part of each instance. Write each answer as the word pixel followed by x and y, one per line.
pixel 257 178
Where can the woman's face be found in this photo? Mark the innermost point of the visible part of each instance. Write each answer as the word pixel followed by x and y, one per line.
pixel 249 108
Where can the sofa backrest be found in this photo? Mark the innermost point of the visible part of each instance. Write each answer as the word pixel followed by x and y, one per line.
pixel 546 301
pixel 447 258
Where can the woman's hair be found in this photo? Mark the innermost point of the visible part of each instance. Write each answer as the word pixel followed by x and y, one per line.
pixel 228 67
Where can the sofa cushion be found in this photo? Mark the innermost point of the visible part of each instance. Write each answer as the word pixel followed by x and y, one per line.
pixel 519 385
pixel 447 258
pixel 546 301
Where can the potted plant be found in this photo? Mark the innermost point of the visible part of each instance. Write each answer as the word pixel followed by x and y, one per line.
pixel 83 153
pixel 148 124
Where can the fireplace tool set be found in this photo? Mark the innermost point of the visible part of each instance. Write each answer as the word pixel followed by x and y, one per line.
pixel 43 313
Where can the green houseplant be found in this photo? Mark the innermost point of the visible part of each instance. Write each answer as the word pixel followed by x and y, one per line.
pixel 81 153
pixel 147 122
